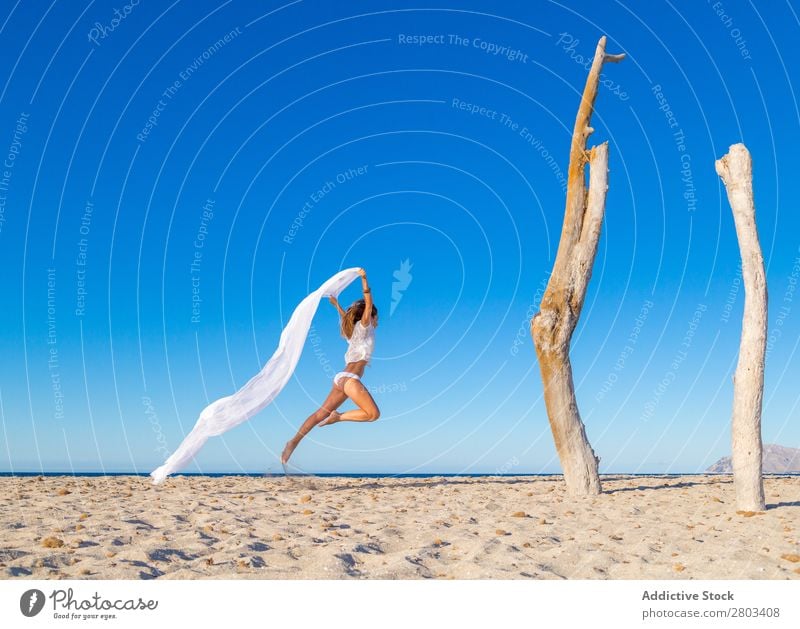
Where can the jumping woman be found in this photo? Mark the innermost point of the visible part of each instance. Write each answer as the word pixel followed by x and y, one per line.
pixel 357 325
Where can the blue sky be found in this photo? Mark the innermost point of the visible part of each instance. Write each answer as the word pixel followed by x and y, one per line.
pixel 183 174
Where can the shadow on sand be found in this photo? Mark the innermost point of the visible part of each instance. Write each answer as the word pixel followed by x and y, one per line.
pixel 778 505
pixel 669 486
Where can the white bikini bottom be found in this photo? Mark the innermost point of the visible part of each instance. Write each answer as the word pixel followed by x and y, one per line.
pixel 342 375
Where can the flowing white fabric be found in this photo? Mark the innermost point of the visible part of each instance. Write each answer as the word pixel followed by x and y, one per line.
pixel 222 415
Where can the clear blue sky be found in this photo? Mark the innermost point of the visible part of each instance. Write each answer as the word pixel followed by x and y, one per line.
pixel 162 155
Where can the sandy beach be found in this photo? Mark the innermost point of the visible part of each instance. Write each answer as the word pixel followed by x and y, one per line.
pixel 653 527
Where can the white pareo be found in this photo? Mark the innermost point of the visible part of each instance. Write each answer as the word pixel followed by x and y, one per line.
pixel 222 415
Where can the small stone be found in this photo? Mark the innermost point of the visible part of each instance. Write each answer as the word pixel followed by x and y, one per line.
pixel 500 532
pixel 277 537
pixel 210 561
pixel 749 514
pixel 526 545
pixel 305 499
pixel 64 492
pixel 679 567
pixel 110 554
pixel 79 527
pixel 792 558
pixel 519 514
pixel 52 542
pixel 437 542
pixel 307 512
pixel 83 516
pixel 86 571
pixel 674 554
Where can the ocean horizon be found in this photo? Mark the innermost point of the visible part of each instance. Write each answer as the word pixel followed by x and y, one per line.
pixel 366 475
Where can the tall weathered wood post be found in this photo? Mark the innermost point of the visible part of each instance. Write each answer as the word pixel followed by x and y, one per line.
pixel 553 325
pixel 736 171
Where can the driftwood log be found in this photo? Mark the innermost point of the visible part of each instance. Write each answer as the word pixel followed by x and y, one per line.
pixel 553 325
pixel 736 171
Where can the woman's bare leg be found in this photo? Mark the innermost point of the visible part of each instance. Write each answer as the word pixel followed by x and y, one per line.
pixel 331 403
pixel 367 410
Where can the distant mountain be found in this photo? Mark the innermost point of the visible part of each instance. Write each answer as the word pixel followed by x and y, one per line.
pixel 776 460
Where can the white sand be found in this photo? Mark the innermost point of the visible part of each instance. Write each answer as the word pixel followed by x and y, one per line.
pixel 463 528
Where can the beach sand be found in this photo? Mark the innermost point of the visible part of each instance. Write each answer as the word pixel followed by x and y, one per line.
pixel 653 527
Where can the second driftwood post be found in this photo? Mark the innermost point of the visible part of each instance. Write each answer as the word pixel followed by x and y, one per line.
pixel 553 325
pixel 736 171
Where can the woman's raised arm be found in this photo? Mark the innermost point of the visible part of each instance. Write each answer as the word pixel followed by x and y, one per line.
pixel 335 302
pixel 367 316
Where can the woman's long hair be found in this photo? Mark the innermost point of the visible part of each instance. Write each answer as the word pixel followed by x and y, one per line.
pixel 353 314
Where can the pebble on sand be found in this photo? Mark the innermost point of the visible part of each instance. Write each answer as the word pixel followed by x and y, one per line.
pixel 519 514
pixel 305 498
pixel 52 542
pixel 792 558
pixel 64 492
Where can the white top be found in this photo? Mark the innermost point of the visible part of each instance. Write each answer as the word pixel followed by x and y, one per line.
pixel 361 343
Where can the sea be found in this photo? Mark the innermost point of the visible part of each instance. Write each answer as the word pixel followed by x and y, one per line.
pixel 606 476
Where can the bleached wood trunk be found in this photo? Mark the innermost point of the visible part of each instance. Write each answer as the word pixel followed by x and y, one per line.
pixel 553 325
pixel 736 171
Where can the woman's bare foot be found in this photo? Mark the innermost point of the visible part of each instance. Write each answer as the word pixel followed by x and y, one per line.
pixel 287 451
pixel 333 418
